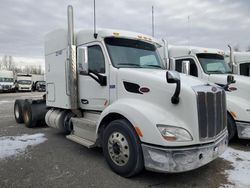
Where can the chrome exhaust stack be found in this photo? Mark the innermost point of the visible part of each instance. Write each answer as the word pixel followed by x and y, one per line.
pixel 71 71
pixel 232 63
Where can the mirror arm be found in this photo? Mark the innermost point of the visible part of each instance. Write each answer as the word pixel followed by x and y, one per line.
pixel 102 80
pixel 175 98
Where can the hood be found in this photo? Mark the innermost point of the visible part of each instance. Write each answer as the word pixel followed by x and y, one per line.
pixel 6 83
pixel 159 76
pixel 242 84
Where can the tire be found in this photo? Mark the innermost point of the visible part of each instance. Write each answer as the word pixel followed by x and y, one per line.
pixel 27 115
pixel 120 140
pixel 231 127
pixel 18 110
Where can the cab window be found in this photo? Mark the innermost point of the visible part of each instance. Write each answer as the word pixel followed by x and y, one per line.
pixel 193 67
pixel 96 59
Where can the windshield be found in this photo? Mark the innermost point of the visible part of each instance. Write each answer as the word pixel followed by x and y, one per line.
pixel 132 53
pixel 28 82
pixel 6 79
pixel 213 64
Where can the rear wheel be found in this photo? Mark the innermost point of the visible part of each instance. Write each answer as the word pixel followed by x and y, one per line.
pixel 231 127
pixel 18 110
pixel 27 115
pixel 122 148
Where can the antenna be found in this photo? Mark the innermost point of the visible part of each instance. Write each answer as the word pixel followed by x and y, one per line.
pixel 188 37
pixel 95 34
pixel 153 24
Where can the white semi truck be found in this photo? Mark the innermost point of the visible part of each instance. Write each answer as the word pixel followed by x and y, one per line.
pixel 23 82
pixel 239 62
pixel 6 81
pixel 110 89
pixel 209 65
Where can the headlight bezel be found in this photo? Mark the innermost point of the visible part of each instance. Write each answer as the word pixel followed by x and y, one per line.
pixel 174 134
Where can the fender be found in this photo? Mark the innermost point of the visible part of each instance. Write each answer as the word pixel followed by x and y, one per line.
pixel 145 116
pixel 240 106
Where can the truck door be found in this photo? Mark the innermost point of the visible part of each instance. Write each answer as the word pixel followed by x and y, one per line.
pixel 193 66
pixel 93 96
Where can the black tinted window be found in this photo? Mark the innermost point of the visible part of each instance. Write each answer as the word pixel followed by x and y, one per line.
pixel 193 67
pixel 96 59
pixel 244 69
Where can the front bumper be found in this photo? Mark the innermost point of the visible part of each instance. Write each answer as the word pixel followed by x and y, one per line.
pixel 243 129
pixel 24 89
pixel 176 160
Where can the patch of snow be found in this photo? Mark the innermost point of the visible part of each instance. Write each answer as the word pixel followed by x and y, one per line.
pixel 240 160
pixel 14 145
pixel 3 102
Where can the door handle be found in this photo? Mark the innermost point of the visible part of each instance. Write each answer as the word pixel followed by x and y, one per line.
pixel 84 101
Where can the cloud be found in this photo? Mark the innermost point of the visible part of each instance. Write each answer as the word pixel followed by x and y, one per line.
pixel 212 23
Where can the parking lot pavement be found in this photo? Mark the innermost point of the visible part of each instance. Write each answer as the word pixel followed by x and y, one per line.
pixel 43 157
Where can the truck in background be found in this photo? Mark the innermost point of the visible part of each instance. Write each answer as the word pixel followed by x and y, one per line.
pixel 209 65
pixel 6 81
pixel 109 89
pixel 23 82
pixel 238 61
pixel 38 82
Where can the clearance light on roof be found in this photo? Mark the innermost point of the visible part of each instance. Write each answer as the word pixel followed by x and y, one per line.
pixel 116 34
pixel 205 51
pixel 144 38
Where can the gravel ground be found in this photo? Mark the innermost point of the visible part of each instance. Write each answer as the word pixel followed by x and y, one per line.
pixel 43 157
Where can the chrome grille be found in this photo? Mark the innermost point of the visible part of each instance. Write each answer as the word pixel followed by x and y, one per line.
pixel 6 87
pixel 212 114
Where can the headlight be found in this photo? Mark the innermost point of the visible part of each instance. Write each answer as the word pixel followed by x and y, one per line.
pixel 174 134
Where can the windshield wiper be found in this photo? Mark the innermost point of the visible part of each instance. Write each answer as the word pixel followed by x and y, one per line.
pixel 133 65
pixel 158 66
pixel 216 71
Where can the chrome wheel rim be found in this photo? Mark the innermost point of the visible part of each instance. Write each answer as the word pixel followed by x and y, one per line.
pixel 118 148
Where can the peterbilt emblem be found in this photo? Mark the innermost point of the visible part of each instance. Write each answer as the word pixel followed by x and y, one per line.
pixel 214 89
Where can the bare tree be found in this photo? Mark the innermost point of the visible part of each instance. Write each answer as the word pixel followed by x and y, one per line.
pixel 248 48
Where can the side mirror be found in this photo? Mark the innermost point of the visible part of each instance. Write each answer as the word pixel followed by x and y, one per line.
pixel 186 67
pixel 230 79
pixel 174 77
pixel 172 64
pixel 82 60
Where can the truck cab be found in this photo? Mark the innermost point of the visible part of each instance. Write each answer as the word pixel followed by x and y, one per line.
pixel 239 62
pixel 6 81
pixel 209 65
pixel 109 89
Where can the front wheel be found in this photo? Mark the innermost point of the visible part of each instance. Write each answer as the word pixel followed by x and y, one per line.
pixel 122 148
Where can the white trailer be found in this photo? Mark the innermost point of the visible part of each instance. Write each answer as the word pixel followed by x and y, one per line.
pixel 110 89
pixel 23 82
pixel 37 77
pixel 239 62
pixel 209 65
pixel 6 81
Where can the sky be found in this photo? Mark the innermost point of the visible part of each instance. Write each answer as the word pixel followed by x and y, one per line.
pixel 211 23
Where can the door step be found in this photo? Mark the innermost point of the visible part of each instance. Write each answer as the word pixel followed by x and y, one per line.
pixel 82 141
pixel 84 130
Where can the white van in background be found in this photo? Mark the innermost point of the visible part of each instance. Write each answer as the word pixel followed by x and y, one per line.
pixel 23 82
pixel 6 81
